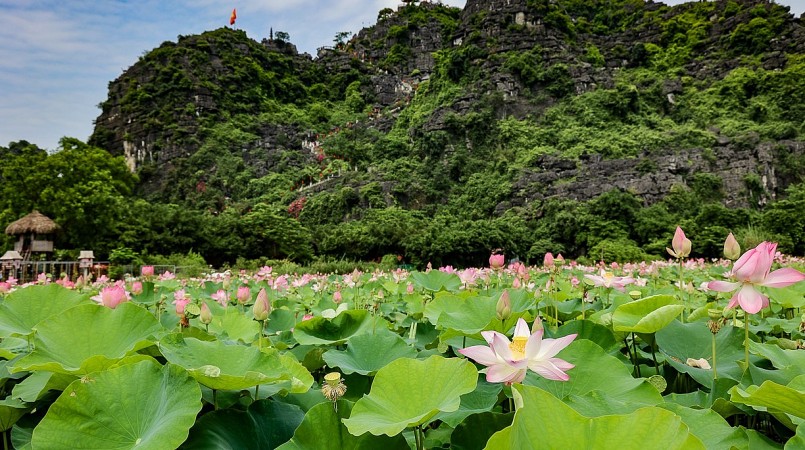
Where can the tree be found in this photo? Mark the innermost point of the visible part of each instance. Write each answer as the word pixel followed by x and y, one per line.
pixel 282 36
pixel 340 37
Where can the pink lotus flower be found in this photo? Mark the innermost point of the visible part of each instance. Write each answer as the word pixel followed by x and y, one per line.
pixel 136 288
pixel 508 362
pixel 548 261
pixel 337 297
pixel 147 271
pixel 409 289
pixel 244 294
pixel 220 297
pixel 496 260
pixel 180 299
pixel 752 270
pixel 5 287
pixel 609 280
pixel 111 296
pixel 680 243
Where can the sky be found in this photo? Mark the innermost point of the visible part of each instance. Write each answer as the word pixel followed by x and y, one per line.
pixel 58 56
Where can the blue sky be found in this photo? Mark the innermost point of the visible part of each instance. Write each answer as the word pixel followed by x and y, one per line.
pixel 58 56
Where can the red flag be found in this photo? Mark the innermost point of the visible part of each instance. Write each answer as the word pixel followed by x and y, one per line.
pixel 233 16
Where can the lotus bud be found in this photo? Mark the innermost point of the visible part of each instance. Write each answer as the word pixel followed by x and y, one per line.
pixel 136 288
pixel 244 294
pixel 497 260
pixel 548 261
pixel 559 260
pixel 262 307
pixel 503 310
pixel 409 289
pixel 681 245
pixel 537 325
pixel 732 250
pixel 337 297
pixel 205 316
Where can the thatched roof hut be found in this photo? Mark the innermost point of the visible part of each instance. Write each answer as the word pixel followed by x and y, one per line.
pixel 34 223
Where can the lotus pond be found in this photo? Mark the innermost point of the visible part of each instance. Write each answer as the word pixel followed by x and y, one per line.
pixel 651 358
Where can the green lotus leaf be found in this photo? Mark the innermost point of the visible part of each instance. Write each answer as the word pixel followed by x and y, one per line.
pixel 781 359
pixel 88 338
pixel 299 382
pixel 410 392
pixel 798 440
pixel 11 347
pixel 436 280
pixel 541 418
pixel 368 353
pixel 587 329
pixel 469 317
pixel 680 341
pixel 441 301
pixel 24 308
pixel 322 429
pixel 475 430
pixel 786 403
pixel 482 399
pixel 280 320
pixel 597 371
pixel 38 383
pixel 219 365
pixel 788 297
pixel 710 427
pixel 11 410
pixel 142 405
pixel 647 315
pixel 235 325
pixel 264 425
pixel 321 331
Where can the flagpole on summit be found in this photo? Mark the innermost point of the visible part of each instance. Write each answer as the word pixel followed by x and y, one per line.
pixel 233 17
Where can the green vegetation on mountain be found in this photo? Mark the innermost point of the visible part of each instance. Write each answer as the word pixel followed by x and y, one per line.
pixel 587 128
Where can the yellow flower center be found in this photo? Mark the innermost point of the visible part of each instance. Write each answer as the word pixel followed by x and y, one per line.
pixel 517 347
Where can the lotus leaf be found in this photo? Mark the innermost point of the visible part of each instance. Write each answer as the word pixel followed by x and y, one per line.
pixel 368 353
pixel 710 427
pixel 482 399
pixel 24 308
pixel 11 410
pixel 787 403
pixel 264 425
pixel 597 371
pixel 142 405
pixel 647 315
pixel 475 430
pixel 543 421
pixel 436 280
pixel 233 324
pixel 33 387
pixel 410 392
pixel 322 429
pixel 65 343
pixel 219 365
pixel 680 341
pixel 798 440
pixel 321 331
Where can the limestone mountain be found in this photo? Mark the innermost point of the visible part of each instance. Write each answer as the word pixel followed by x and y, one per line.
pixel 491 113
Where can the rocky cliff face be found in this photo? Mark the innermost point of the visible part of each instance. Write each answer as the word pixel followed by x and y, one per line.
pixel 158 109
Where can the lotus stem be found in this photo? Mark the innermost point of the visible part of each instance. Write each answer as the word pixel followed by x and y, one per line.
pixel 257 392
pixel 684 299
pixel 420 441
pixel 746 340
pixel 215 400
pixel 715 372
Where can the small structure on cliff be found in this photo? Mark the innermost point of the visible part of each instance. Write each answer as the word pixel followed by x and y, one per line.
pixel 35 234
